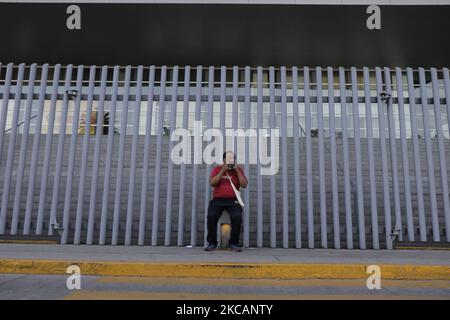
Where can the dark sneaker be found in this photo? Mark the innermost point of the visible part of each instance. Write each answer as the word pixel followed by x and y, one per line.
pixel 211 247
pixel 234 248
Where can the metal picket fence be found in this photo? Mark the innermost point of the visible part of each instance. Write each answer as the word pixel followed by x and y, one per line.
pixel 86 153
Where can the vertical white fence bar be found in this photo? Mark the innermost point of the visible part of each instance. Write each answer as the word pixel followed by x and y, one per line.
pixel 72 155
pixel 145 163
pixel 371 159
pixel 441 148
pixel 197 132
pixel 247 140
pixel 134 146
pixel 222 106
pixel 48 143
pixel 181 197
pixel 223 88
pixel 172 123
pixel 108 159
pixel 405 157
pixel 209 125
pixel 120 162
pixel 447 102
pixel 223 96
pixel 334 177
pixel 416 150
pixel 36 145
pixel 235 107
pixel 359 182
pixel 3 116
pixel 322 184
pixel 384 163
pixel 284 158
pixel 348 203
pixel 259 205
pixel 309 183
pixel 222 99
pixel 159 132
pixel 11 148
pixel 23 149
pixel 429 153
pixel 272 125
pixel 98 138
pixel 296 128
pixel 84 158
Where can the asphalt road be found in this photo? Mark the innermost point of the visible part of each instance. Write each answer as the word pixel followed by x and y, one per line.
pixel 15 286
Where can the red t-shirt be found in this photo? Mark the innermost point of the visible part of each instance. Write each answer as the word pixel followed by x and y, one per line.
pixel 223 189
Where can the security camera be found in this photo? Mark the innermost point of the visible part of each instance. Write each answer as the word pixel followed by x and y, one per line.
pixel 385 96
pixel 72 93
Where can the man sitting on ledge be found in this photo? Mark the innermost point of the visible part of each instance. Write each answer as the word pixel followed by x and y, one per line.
pixel 224 198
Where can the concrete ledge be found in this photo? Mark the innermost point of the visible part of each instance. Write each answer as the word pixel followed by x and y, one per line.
pixel 225 270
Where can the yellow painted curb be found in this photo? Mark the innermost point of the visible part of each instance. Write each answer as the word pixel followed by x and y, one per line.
pixel 226 270
pixel 423 248
pixel 30 241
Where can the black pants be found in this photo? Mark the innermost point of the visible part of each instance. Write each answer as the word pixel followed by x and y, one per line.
pixel 215 208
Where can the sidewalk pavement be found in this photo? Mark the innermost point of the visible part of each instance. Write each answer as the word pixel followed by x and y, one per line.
pixel 251 263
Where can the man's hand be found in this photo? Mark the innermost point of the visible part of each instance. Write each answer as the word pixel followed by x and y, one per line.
pixel 215 180
pixel 242 180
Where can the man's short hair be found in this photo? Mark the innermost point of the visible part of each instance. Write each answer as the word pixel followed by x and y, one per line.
pixel 225 155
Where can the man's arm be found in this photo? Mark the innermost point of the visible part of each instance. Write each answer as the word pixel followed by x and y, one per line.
pixel 213 181
pixel 242 180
